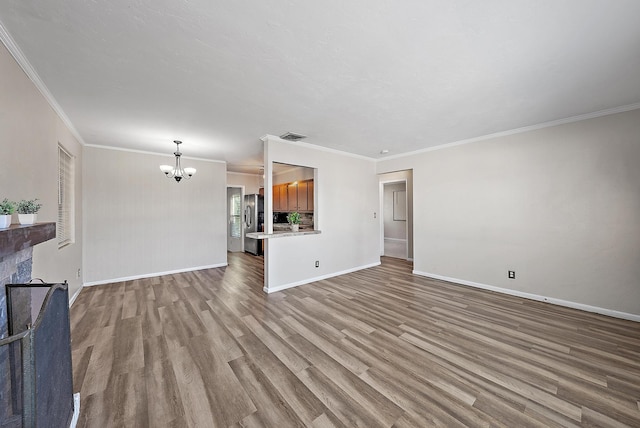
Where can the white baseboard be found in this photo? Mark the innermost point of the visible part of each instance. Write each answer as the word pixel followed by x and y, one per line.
pixel 151 275
pixel 530 296
pixel 317 278
pixel 75 295
pixel 76 410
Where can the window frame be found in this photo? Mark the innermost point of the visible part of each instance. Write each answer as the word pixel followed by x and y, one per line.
pixel 65 223
pixel 236 219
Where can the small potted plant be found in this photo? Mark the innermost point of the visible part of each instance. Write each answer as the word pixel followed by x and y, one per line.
pixel 7 208
pixel 28 210
pixel 294 220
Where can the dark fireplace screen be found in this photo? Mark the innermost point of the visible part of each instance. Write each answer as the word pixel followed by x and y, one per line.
pixel 36 385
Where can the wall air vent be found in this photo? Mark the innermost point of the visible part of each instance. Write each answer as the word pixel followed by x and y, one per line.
pixel 290 136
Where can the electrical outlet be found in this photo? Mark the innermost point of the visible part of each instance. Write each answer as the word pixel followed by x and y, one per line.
pixel 512 274
pixel 78 274
pixel 317 263
pixel 374 215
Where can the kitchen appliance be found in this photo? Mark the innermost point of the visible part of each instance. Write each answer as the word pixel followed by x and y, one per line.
pixel 280 217
pixel 253 222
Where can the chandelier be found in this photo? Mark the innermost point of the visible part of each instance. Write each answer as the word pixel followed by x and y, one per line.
pixel 177 172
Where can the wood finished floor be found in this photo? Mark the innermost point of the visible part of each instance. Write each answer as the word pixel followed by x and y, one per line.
pixel 374 348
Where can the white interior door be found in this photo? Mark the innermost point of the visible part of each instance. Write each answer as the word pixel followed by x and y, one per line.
pixel 234 219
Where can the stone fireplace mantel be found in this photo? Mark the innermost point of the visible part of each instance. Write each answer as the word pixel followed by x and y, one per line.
pixel 16 250
pixel 17 238
pixel 36 384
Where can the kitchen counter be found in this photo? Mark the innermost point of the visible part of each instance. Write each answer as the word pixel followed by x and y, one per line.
pixel 281 234
pixel 287 227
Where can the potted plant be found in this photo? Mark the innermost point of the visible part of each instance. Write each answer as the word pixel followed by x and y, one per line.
pixel 294 220
pixel 7 208
pixel 28 210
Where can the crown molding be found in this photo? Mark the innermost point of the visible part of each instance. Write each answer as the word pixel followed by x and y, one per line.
pixel 31 73
pixel 248 174
pixel 524 129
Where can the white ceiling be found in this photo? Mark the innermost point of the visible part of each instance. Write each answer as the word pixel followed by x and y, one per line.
pixel 357 76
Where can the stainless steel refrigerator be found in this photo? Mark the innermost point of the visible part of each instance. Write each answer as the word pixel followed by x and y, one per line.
pixel 253 221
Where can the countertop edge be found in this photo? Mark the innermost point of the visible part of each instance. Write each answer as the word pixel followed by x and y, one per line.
pixel 281 234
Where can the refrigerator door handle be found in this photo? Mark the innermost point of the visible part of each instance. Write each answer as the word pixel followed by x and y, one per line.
pixel 247 216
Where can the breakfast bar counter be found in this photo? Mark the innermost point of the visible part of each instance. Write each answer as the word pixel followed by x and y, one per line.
pixel 281 234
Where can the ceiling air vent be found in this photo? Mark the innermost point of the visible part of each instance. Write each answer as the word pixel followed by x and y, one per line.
pixel 290 136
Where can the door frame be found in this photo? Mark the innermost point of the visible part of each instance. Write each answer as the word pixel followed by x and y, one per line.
pixel 406 229
pixel 242 211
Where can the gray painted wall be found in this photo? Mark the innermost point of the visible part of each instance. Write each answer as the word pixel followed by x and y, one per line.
pixel 395 229
pixel 30 131
pixel 250 182
pixel 346 195
pixel 138 222
pixel 560 206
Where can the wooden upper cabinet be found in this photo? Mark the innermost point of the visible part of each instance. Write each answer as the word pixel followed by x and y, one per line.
pixel 282 191
pixel 310 195
pixel 279 197
pixel 275 195
pixel 292 197
pixel 303 205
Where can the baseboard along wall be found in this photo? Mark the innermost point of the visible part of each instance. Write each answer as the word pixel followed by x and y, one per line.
pixel 537 297
pixel 151 275
pixel 317 278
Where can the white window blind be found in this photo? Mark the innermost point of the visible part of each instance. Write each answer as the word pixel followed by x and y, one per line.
pixel 65 224
pixel 234 215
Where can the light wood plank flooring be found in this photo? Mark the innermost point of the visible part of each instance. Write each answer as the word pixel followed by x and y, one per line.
pixel 375 348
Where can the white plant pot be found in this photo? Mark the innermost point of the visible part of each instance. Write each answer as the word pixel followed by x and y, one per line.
pixel 5 221
pixel 295 227
pixel 27 218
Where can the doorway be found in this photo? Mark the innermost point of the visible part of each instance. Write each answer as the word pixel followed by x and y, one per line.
pixel 234 219
pixel 396 219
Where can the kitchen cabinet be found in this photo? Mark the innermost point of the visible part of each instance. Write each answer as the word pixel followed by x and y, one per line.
pixel 303 204
pixel 292 197
pixel 283 197
pixel 275 198
pixel 280 197
pixel 310 195
pixel 297 196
